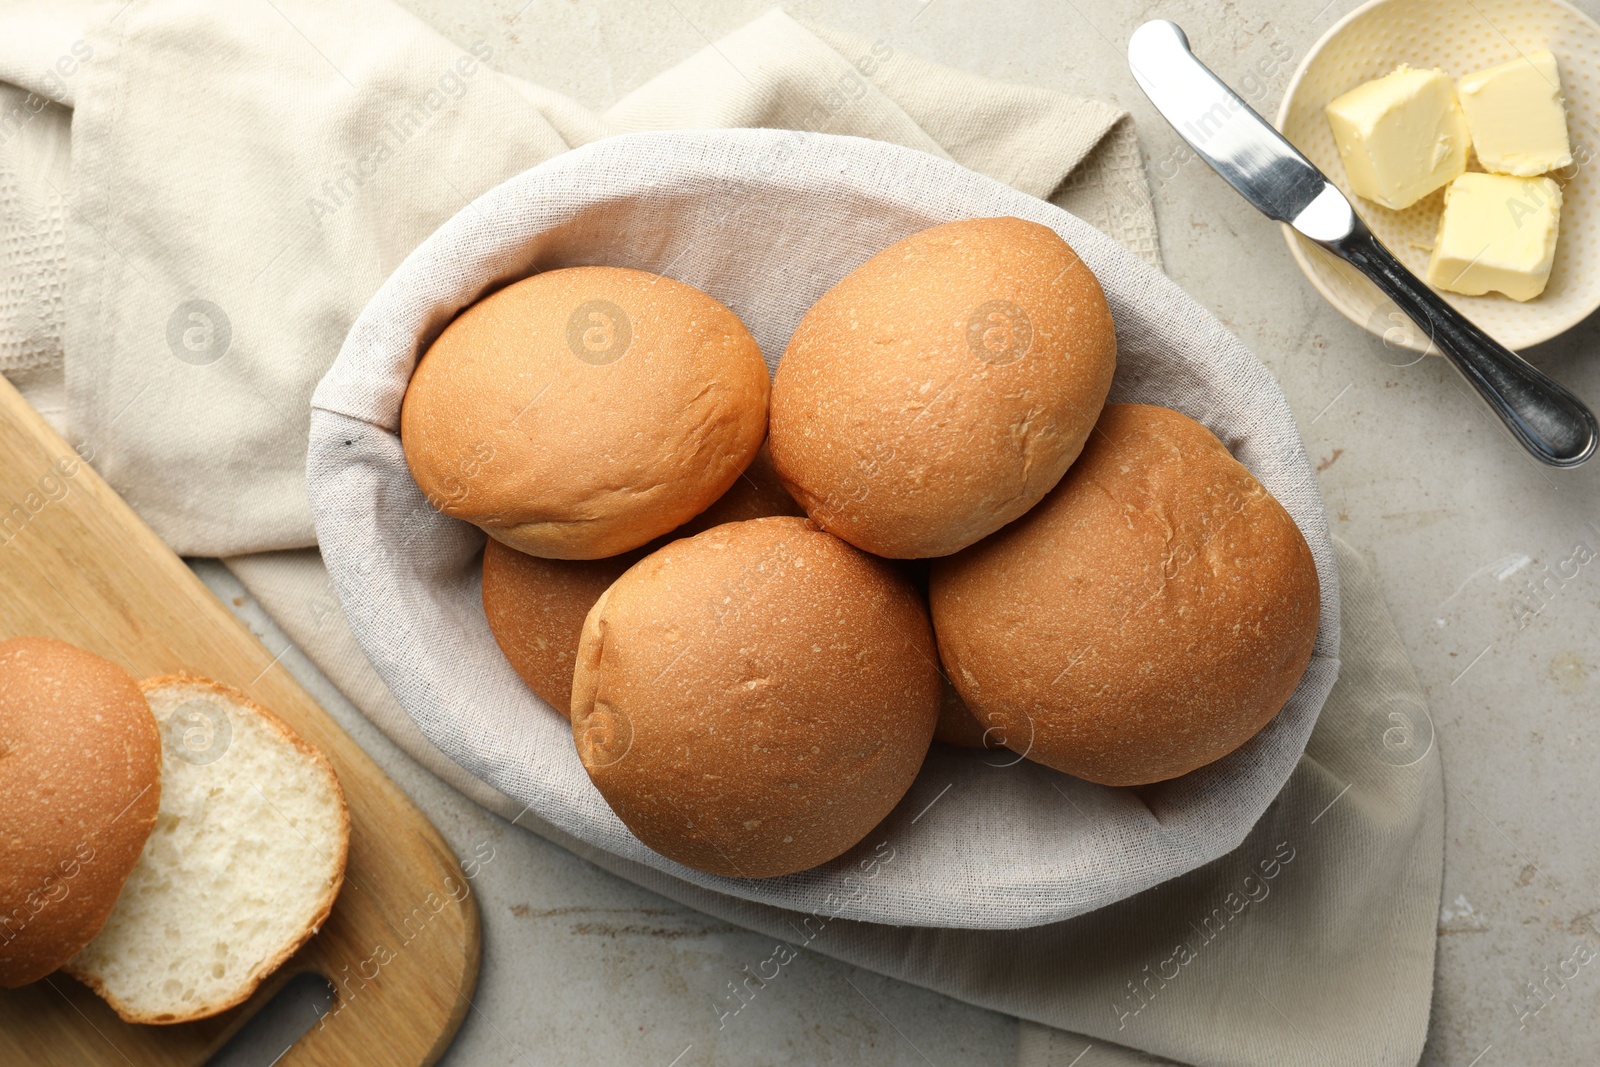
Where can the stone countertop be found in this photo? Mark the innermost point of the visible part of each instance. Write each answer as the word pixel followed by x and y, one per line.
pixel 1484 557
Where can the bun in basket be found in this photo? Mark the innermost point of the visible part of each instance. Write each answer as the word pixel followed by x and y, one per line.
pixel 942 387
pixel 80 766
pixel 1148 617
pixel 581 412
pixel 753 700
pixel 246 859
pixel 535 607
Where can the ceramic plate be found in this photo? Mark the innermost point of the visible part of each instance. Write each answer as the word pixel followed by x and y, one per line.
pixel 1458 38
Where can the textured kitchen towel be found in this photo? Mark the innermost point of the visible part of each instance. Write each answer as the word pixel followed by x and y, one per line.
pixel 41 52
pixel 244 177
pixel 767 221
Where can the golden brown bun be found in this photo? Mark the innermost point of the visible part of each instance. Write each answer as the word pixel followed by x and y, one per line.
pixel 80 782
pixel 536 607
pixel 942 387
pixel 579 413
pixel 752 701
pixel 1148 617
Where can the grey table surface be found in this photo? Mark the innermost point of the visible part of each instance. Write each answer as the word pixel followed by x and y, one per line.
pixel 1484 560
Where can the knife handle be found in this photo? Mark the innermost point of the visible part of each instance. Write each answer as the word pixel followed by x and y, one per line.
pixel 1548 420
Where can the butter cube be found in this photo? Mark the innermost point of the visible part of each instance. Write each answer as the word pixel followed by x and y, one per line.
pixel 1498 232
pixel 1516 116
pixel 1401 136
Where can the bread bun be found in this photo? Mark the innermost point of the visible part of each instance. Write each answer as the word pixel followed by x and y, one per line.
pixel 1148 617
pixel 244 865
pixel 943 387
pixel 581 412
pixel 80 765
pixel 535 607
pixel 752 701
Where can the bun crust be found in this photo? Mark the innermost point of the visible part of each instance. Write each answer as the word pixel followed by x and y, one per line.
pixel 943 387
pixel 752 701
pixel 1150 616
pixel 536 607
pixel 80 770
pixel 581 412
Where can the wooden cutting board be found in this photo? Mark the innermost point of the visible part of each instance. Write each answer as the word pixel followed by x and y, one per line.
pixel 402 945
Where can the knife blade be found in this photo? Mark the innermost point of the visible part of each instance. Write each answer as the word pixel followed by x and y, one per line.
pixel 1228 134
pixel 1269 172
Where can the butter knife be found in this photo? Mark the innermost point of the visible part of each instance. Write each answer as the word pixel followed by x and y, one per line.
pixel 1268 171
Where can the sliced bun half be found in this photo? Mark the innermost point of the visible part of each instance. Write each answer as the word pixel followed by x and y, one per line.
pixel 247 856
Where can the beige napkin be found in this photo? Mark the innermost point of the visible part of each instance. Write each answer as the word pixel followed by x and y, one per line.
pixel 242 179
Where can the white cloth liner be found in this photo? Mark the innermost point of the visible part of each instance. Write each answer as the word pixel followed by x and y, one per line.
pixel 766 221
